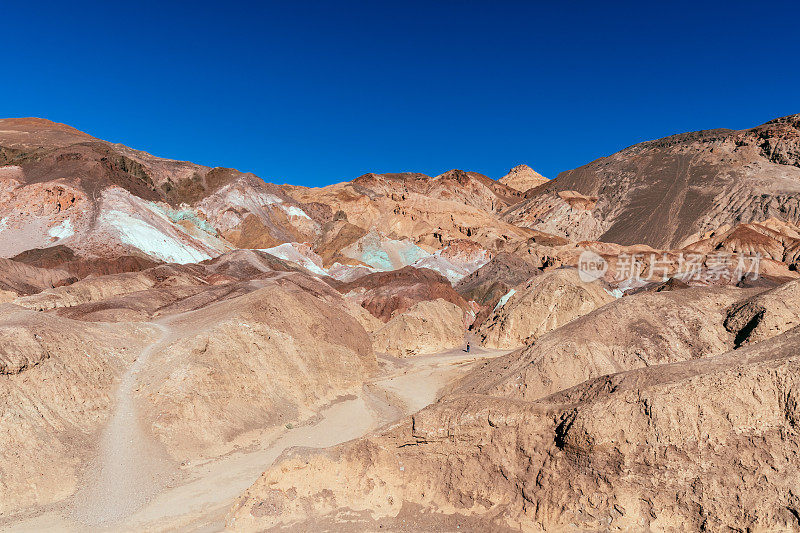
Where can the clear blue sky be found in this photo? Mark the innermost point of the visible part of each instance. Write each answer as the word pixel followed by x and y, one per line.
pixel 318 92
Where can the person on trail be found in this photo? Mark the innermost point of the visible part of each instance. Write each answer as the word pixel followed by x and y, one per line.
pixel 467 347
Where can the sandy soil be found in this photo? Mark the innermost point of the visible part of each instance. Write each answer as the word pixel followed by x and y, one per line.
pixel 132 487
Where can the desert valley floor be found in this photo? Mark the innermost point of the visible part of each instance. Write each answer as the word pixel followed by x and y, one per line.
pixel 185 348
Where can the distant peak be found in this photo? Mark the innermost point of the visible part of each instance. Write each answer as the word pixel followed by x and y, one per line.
pixel 522 177
pixel 453 174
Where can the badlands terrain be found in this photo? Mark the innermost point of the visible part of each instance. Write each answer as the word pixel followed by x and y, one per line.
pixel 185 348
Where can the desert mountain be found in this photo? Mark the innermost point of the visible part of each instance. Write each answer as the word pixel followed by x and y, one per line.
pixel 523 178
pixel 669 192
pixel 61 186
pixel 431 211
pixel 219 329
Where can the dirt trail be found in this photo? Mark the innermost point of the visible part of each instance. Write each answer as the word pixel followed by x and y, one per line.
pixel 130 468
pixel 200 500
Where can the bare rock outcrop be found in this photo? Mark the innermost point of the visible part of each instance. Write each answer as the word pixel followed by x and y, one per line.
pixel 103 287
pixel 487 284
pixel 523 178
pixel 385 294
pixel 645 329
pixel 546 302
pixel 457 260
pixel 771 239
pixel 427 327
pixel 765 315
pixel 256 361
pixel 56 380
pixel 204 309
pixel 62 257
pixel 62 187
pixel 429 211
pixel 238 358
pixel 21 278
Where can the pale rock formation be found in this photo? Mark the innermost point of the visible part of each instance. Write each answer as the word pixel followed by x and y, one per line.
pixel 546 302
pixel 427 327
pixel 56 382
pixel 522 178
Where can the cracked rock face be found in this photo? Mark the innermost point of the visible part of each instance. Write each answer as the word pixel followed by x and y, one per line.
pixel 765 315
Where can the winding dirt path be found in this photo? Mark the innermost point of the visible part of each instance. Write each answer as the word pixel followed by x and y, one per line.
pixel 130 467
pixel 125 493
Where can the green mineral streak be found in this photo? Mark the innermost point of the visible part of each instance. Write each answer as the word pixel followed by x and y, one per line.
pixel 176 215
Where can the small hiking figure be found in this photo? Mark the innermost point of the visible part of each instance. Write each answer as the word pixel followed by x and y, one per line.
pixel 467 348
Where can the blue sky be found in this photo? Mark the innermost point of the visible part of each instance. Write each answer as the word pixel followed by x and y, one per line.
pixel 319 92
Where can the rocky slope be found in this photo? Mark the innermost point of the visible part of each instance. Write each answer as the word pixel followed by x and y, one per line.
pixel 56 381
pixel 771 238
pixel 59 186
pixel 386 294
pixel 430 211
pixel 690 425
pixel 546 302
pixel 665 192
pixel 194 311
pixel 494 279
pixel 238 333
pixel 764 315
pixel 709 443
pixel 20 278
pixel 644 329
pixel 234 366
pixel 427 327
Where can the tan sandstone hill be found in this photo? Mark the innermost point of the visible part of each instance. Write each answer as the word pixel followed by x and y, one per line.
pixel 171 330
pixel 227 360
pixel 56 392
pixel 425 328
pixel 522 178
pixel 709 443
pixel 546 302
pixel 430 211
pixel 765 315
